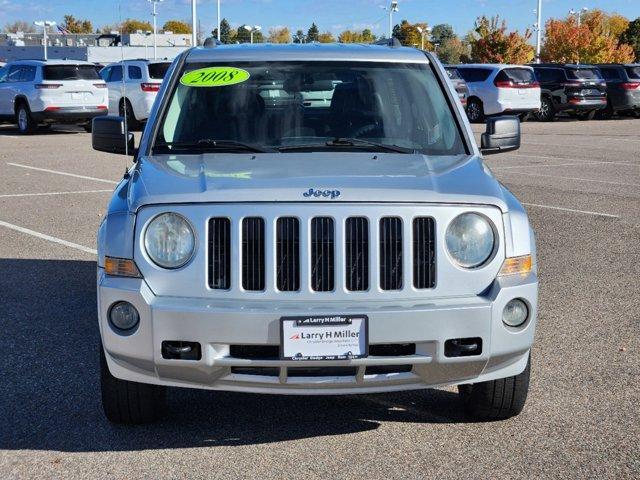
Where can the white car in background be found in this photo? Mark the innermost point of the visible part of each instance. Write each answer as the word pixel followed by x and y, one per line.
pixel 136 94
pixel 496 89
pixel 36 92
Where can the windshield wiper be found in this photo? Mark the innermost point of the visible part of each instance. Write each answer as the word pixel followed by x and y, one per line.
pixel 212 144
pixel 349 142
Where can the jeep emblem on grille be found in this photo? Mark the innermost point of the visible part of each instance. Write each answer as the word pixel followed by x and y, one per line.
pixel 312 192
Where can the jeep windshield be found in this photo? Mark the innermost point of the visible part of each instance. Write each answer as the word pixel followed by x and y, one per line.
pixel 293 107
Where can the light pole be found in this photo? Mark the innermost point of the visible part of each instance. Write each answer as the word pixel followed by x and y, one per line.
pixel 578 14
pixel 44 24
pixel 218 19
pixel 147 34
pixel 539 31
pixel 194 25
pixel 252 29
pixel 154 13
pixel 392 8
pixel 423 32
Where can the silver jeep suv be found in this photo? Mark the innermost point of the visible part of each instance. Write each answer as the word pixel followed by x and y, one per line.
pixel 312 219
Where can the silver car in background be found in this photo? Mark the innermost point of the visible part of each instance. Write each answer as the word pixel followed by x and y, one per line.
pixel 266 242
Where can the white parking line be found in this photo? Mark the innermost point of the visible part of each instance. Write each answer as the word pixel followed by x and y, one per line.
pixel 51 193
pixel 62 173
pixel 573 210
pixel 48 237
pixel 572 178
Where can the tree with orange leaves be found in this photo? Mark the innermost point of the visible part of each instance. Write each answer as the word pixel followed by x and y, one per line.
pixel 491 43
pixel 594 41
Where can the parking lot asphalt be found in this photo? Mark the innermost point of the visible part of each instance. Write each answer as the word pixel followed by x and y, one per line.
pixel 580 182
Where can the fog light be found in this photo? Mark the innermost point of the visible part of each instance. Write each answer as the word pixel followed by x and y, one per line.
pixel 123 316
pixel 515 313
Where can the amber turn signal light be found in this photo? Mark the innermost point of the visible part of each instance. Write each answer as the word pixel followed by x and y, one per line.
pixel 516 265
pixel 121 267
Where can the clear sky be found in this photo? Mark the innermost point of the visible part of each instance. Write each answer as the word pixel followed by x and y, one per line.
pixel 332 15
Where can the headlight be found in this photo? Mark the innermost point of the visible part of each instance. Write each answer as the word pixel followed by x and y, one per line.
pixel 169 240
pixel 470 240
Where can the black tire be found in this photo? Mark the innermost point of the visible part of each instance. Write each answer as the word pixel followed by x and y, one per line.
pixel 475 110
pixel 26 124
pixel 125 107
pixel 496 399
pixel 547 111
pixel 584 116
pixel 605 113
pixel 127 402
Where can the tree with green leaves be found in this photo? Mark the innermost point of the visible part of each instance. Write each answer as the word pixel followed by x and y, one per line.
pixel 74 25
pixel 176 26
pixel 226 33
pixel 453 51
pixel 442 32
pixel 313 33
pixel 299 37
pixel 631 36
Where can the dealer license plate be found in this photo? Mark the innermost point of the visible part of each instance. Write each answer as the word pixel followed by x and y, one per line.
pixel 335 337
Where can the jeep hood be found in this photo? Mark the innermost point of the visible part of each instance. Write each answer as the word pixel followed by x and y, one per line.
pixel 277 177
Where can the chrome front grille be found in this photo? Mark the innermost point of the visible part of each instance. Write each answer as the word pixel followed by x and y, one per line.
pixel 288 254
pixel 219 264
pixel 322 254
pixel 357 254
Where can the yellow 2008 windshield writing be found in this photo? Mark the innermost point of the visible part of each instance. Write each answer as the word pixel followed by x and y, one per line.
pixel 214 77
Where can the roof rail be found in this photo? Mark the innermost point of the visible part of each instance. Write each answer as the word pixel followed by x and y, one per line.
pixel 392 42
pixel 211 42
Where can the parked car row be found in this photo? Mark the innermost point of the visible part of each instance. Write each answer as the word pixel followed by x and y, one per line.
pixel 546 89
pixel 44 92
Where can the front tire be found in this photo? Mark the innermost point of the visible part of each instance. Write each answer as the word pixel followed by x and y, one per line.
pixel 26 123
pixel 475 110
pixel 496 399
pixel 129 403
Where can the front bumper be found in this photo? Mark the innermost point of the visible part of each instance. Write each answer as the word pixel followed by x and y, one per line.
pixel 219 325
pixel 69 114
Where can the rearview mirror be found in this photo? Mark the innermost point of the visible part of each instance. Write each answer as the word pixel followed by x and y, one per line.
pixel 108 135
pixel 502 135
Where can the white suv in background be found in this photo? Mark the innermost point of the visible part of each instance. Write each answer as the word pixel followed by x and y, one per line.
pixel 135 96
pixel 497 89
pixel 36 92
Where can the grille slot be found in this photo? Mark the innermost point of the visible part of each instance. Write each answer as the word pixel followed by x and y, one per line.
pixel 357 254
pixel 322 254
pixel 288 254
pixel 391 253
pixel 253 253
pixel 424 265
pixel 219 253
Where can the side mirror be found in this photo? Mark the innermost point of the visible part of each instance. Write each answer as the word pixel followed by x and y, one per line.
pixel 502 135
pixel 108 135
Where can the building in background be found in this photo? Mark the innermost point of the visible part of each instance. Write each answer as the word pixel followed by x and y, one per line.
pixel 92 47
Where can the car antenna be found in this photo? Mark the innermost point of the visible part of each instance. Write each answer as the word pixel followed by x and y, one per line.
pixel 124 106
